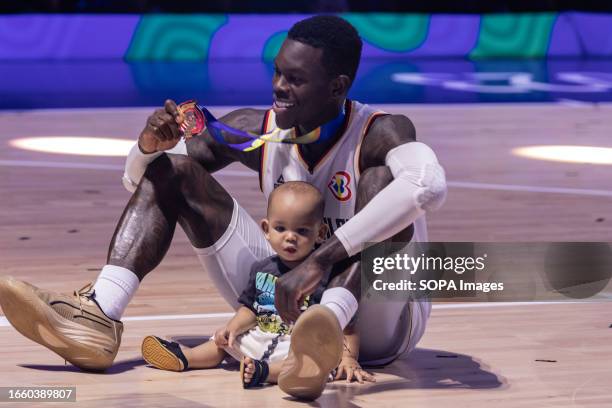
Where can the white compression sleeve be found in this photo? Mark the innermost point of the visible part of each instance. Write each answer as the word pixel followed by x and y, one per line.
pixel 419 185
pixel 137 162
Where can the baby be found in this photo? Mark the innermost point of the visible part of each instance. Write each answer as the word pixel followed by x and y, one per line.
pixel 256 335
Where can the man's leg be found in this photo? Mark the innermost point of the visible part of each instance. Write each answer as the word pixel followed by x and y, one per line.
pixel 174 188
pixel 316 342
pixel 398 326
pixel 315 350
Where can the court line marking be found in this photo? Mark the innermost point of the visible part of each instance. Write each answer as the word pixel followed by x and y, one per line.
pixel 529 189
pixel 177 317
pixel 95 166
pixel 4 322
pixel 238 173
pixel 59 165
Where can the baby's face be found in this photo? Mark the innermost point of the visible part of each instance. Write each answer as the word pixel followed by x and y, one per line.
pixel 292 228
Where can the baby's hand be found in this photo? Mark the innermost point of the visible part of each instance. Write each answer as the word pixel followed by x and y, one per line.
pixel 224 337
pixel 350 368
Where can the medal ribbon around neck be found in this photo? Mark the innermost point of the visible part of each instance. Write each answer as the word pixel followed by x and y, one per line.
pixel 197 118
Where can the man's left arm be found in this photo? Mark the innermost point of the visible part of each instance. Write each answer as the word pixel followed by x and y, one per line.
pixel 418 186
pixel 418 182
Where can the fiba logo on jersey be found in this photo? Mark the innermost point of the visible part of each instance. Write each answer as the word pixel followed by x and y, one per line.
pixel 339 186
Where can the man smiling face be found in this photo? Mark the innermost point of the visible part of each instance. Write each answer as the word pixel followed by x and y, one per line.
pixel 304 93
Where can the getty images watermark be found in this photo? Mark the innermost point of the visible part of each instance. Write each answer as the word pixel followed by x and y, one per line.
pixel 471 271
pixel 423 263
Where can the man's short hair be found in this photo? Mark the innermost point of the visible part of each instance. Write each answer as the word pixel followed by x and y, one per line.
pixel 337 38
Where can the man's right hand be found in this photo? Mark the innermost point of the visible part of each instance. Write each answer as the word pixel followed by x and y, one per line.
pixel 162 130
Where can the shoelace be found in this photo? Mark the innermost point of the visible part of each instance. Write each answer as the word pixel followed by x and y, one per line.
pixel 87 292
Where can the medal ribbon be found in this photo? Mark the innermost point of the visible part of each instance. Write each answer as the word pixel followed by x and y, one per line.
pixel 197 117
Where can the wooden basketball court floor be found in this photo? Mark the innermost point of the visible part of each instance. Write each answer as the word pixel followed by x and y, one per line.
pixel 58 213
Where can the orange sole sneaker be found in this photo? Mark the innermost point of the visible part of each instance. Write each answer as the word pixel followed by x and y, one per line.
pixel 154 353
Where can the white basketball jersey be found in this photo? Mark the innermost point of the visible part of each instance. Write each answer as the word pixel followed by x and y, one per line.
pixel 336 174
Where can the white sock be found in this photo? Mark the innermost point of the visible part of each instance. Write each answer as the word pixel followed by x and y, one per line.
pixel 342 303
pixel 115 288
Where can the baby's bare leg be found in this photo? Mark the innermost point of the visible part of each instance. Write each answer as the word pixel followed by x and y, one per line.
pixel 275 369
pixel 206 355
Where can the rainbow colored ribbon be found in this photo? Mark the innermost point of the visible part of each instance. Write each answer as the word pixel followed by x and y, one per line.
pixel 198 117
